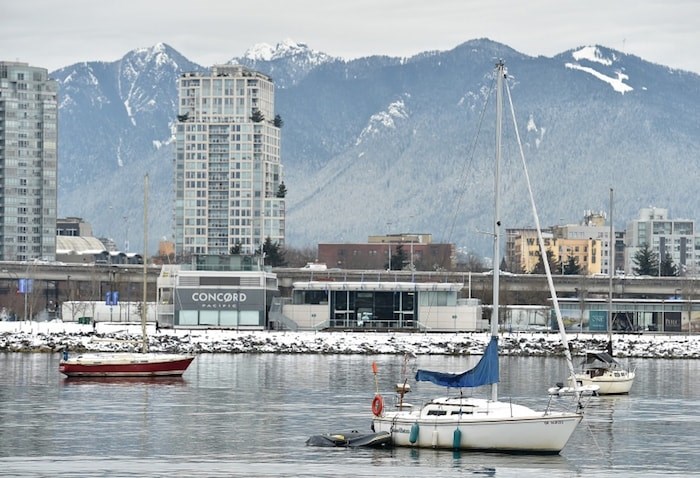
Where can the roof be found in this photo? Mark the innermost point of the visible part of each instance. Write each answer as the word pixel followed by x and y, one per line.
pixel 378 286
pixel 592 357
pixel 78 245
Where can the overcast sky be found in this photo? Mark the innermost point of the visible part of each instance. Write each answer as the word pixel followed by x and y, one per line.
pixel 54 34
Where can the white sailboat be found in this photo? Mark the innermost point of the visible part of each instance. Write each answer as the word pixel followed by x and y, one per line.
pixel 129 364
pixel 468 423
pixel 599 368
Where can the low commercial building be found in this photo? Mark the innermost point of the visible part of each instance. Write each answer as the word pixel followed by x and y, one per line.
pixel 230 292
pixel 385 306
pixel 417 249
pixel 675 314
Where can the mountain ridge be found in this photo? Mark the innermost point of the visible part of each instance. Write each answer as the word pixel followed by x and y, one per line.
pixel 381 144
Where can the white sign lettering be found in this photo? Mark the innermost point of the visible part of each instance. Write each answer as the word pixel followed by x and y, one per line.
pixel 219 297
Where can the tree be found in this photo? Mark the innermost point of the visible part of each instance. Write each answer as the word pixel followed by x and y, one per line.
pixel 667 267
pixel 298 257
pixel 645 261
pixel 257 116
pixel 554 265
pixel 274 254
pixel 572 267
pixel 398 260
pixel 281 190
pixel 470 262
pixel 236 249
pixel 278 121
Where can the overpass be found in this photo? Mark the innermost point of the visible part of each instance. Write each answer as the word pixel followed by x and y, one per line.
pixel 54 283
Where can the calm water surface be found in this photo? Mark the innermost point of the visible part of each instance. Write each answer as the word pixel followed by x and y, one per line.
pixel 250 415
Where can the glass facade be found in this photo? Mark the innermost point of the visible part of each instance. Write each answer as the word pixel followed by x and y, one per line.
pixel 28 162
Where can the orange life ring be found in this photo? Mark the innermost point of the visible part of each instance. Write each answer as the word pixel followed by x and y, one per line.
pixel 377 405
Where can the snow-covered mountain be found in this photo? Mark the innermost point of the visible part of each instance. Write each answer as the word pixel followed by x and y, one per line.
pixel 382 144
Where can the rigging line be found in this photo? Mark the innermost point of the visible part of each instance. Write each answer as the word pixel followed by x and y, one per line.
pixel 469 164
pixel 543 250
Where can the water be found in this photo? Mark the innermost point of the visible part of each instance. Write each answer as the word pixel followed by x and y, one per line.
pixel 250 415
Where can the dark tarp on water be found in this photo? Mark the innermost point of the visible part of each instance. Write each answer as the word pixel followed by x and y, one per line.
pixel 484 373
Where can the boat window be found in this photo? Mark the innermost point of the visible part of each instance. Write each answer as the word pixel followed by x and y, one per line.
pixel 463 412
pixel 437 412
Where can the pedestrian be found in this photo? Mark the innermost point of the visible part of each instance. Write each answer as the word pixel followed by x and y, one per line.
pixel 94 325
pixel 157 327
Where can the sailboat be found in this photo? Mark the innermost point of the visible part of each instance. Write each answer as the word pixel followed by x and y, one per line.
pixel 129 364
pixel 468 423
pixel 599 368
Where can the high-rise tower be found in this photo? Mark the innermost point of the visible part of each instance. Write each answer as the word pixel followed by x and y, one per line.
pixel 228 176
pixel 28 143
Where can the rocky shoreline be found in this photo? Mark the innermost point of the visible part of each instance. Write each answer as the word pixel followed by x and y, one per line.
pixel 119 337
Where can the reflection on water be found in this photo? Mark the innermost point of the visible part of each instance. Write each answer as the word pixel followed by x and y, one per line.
pixel 250 415
pixel 124 381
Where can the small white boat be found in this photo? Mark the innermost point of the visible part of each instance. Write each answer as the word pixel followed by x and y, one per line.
pixel 602 370
pixel 564 390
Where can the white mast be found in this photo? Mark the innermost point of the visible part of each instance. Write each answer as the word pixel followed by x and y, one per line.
pixel 144 306
pixel 500 72
pixel 611 262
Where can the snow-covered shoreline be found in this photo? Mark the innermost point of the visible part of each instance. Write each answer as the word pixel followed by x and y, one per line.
pixel 56 336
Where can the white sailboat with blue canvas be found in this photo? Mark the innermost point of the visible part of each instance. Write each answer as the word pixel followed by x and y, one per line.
pixel 464 422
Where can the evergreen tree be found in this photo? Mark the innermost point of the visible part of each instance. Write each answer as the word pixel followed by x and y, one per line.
pixel 278 121
pixel 257 116
pixel 668 268
pixel 398 260
pixel 646 262
pixel 282 190
pixel 572 267
pixel 274 254
pixel 554 265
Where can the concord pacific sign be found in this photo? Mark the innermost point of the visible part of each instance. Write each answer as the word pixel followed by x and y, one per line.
pixel 219 297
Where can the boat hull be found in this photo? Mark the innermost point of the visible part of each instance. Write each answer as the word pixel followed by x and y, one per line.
pixel 126 365
pixel 610 383
pixel 504 428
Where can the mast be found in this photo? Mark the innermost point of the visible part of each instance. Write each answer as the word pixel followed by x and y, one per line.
pixel 500 72
pixel 543 251
pixel 144 306
pixel 611 262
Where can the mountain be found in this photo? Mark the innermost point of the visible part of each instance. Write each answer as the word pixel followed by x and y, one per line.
pixel 383 144
pixel 114 128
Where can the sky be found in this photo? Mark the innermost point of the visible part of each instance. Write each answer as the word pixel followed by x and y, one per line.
pixel 53 34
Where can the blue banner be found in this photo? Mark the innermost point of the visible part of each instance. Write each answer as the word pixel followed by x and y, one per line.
pixel 112 298
pixel 25 286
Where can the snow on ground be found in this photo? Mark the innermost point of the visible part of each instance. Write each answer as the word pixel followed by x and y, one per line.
pixel 56 336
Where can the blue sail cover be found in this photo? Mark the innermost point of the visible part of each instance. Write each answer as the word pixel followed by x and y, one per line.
pixel 484 373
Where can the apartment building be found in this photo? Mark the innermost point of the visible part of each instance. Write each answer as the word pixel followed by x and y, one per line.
pixel 229 190
pixel 663 235
pixel 28 145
